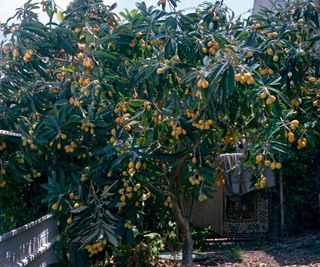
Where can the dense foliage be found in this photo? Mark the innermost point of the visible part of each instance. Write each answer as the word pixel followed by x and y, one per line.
pixel 126 117
pixel 301 175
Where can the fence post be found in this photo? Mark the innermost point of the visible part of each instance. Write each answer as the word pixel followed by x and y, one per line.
pixel 281 203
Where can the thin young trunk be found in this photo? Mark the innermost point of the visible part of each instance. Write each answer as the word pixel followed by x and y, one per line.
pixel 187 246
pixel 185 231
pixel 182 217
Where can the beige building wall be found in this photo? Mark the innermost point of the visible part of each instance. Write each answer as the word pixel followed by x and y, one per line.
pixel 210 212
pixel 258 4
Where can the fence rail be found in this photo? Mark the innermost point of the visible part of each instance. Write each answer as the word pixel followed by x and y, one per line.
pixel 8 133
pixel 29 245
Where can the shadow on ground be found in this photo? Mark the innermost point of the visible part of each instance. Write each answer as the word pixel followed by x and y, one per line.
pixel 302 251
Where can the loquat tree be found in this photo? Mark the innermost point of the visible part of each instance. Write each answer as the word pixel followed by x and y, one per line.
pixel 122 115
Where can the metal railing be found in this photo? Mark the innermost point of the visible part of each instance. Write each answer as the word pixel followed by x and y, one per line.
pixel 30 245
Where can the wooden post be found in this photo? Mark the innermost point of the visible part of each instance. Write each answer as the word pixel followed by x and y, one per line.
pixel 281 203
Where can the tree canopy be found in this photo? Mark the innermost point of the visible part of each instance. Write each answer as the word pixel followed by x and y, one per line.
pixel 122 114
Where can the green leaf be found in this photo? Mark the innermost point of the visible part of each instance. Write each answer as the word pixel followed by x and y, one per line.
pixel 118 161
pixel 79 210
pixel 104 55
pixel 60 16
pixel 78 258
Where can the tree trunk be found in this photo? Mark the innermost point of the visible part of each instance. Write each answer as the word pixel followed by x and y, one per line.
pixel 182 216
pixel 185 232
pixel 187 248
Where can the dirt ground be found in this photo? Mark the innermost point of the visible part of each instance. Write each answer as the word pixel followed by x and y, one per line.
pixel 293 252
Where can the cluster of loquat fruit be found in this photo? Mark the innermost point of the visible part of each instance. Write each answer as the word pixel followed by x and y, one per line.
pixel 220 181
pixel 144 45
pixel 70 148
pixel 211 48
pixel 87 126
pixel 248 53
pixel 293 124
pixel 3 183
pixel 172 235
pixel 158 42
pixel 28 142
pixel 128 224
pixel 20 158
pixel 274 54
pixel 74 102
pixel 214 13
pixel 316 103
pixel 244 78
pixel 36 116
pixel 6 48
pixel 266 71
pixel 157 118
pixel 133 167
pixel 123 120
pixel 77 30
pixel 121 106
pixel 195 179
pixel 59 146
pixel 255 27
pixel 203 124
pixel 140 140
pixel 271 98
pixel 84 81
pixel 290 137
pixel 312 79
pixel 56 206
pixel 95 30
pixel 202 197
pixel 60 76
pixel 34 174
pixel 87 62
pixel 15 53
pixel 272 35
pixel 229 139
pixel 267 163
pixel 27 56
pixel 261 182
pixel 295 102
pixel 113 138
pixel 191 115
pixel 3 146
pixel 96 247
pixel 83 176
pixel 3 171
pixel 203 83
pixel 69 221
pixel 162 70
pixel 177 131
pixel 168 202
pixel 147 105
pixel 302 142
pixel 127 190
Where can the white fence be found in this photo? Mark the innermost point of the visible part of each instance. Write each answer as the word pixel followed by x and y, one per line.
pixel 29 245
